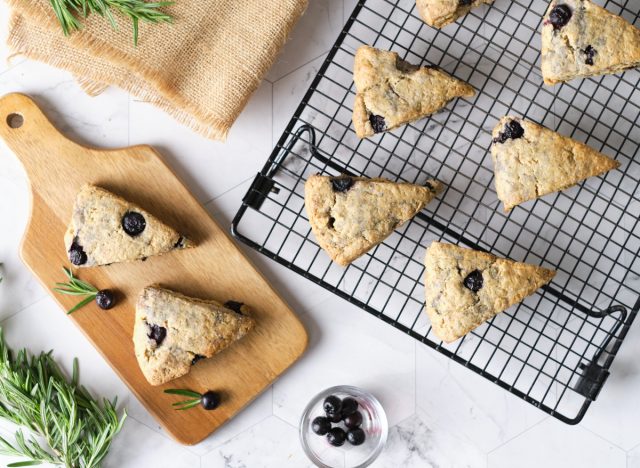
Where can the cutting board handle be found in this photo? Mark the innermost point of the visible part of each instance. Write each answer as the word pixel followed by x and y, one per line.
pixel 29 134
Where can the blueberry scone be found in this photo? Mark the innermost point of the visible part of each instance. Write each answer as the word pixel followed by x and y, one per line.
pixel 391 92
pixel 439 13
pixel 350 215
pixel 580 39
pixel 464 287
pixel 531 161
pixel 173 332
pixel 107 229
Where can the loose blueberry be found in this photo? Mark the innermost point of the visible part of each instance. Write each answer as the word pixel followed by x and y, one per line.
pixel 320 425
pixel 349 406
pixel 157 334
pixel 512 131
pixel 341 184
pixel 378 123
pixel 354 420
pixel 560 16
pixel 474 281
pixel 356 436
pixel 105 299
pixel 589 52
pixel 235 306
pixel 210 400
pixel 77 255
pixel 197 358
pixel 336 436
pixel 332 405
pixel 133 223
pixel 334 417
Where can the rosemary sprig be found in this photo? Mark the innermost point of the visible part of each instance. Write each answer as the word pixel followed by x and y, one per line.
pixel 194 400
pixel 71 12
pixel 76 287
pixel 35 394
pixel 209 400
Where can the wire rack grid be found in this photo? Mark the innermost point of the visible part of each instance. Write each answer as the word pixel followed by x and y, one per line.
pixel 553 350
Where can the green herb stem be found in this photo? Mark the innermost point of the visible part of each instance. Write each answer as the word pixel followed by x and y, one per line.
pixel 35 394
pixel 70 13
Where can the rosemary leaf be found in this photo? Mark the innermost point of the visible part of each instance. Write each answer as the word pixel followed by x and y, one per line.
pixel 177 391
pixel 70 13
pixel 35 394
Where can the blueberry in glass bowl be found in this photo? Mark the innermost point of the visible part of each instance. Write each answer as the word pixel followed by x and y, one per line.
pixel 343 427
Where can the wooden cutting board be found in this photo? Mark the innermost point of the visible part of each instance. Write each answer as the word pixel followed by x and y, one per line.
pixel 57 168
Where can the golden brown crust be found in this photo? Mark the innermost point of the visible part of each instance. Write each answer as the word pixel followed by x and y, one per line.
pixel 541 162
pixel 194 328
pixel 453 308
pixel 593 42
pixel 439 13
pixel 348 224
pixel 397 92
pixel 96 225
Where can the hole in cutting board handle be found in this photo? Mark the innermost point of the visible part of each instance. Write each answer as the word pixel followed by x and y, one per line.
pixel 15 120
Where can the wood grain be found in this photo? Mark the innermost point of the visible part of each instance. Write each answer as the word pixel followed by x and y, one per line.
pixel 57 168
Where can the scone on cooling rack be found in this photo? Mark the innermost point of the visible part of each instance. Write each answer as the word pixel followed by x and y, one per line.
pixel 172 332
pixel 439 13
pixel 351 215
pixel 391 92
pixel 464 287
pixel 531 161
pixel 580 39
pixel 106 228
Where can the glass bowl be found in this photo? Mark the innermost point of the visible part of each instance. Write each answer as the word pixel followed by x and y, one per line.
pixel 374 424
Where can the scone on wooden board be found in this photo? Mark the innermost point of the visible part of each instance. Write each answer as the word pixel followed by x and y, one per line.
pixel 464 287
pixel 106 228
pixel 172 332
pixel 351 215
pixel 530 161
pixel 439 13
pixel 391 92
pixel 580 39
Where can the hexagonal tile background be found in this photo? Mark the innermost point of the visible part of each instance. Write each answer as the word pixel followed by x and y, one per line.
pixel 441 414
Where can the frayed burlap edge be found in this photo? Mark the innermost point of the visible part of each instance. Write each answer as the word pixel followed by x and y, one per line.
pixel 163 96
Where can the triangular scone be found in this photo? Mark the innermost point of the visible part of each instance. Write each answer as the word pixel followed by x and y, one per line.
pixel 464 287
pixel 172 332
pixel 106 229
pixel 350 215
pixel 580 38
pixel 391 92
pixel 531 161
pixel 439 13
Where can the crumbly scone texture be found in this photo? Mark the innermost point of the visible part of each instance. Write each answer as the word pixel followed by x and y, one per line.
pixel 541 162
pixel 194 328
pixel 349 223
pixel 454 309
pixel 439 13
pixel 391 92
pixel 593 42
pixel 96 225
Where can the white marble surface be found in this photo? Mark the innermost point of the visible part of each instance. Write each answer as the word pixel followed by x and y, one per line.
pixel 441 414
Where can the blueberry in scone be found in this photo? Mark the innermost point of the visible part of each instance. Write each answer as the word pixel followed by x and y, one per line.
pixel 581 39
pixel 531 161
pixel 464 287
pixel 350 215
pixel 172 332
pixel 106 228
pixel 439 13
pixel 391 92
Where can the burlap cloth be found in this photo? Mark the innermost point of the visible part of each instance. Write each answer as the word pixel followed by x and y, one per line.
pixel 201 69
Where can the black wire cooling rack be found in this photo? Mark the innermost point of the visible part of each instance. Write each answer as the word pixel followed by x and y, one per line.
pixel 555 349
